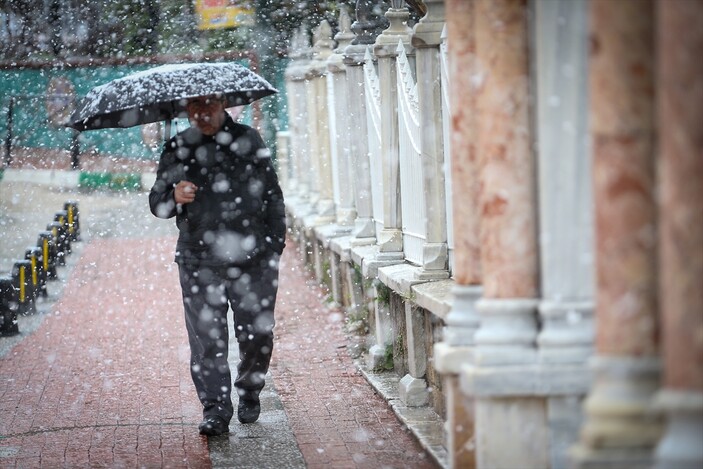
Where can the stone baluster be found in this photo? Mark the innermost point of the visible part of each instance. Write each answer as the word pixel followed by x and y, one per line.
pixel 462 321
pixel 426 39
pixel 680 94
pixel 340 129
pixel 385 50
pixel 499 379
pixel 621 428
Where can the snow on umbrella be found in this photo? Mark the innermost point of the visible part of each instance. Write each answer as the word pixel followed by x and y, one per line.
pixel 161 94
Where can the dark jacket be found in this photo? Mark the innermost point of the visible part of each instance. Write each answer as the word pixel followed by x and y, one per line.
pixel 238 213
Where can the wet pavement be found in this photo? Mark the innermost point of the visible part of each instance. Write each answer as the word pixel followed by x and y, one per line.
pixel 99 375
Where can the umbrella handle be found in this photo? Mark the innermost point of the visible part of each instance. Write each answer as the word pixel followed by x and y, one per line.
pixel 167 130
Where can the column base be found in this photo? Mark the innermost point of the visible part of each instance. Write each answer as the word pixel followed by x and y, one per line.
pixel 390 244
pixel 508 331
pixel 567 331
pixel 413 391
pixel 622 426
pixel 463 319
pixel 682 444
pixel 587 458
pixel 376 358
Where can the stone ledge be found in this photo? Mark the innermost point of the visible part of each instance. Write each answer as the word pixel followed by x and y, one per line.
pixel 51 177
pixel 365 256
pixel 399 277
pixel 313 220
pixel 525 380
pixel 425 425
pixel 436 297
pixel 325 233
pixel 450 359
pixel 341 246
pixel 299 210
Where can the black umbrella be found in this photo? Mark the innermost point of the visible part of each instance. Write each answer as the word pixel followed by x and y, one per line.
pixel 161 94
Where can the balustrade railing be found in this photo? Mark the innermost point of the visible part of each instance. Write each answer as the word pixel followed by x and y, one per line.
pixel 411 170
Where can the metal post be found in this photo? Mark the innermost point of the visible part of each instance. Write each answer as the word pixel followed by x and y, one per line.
pixel 75 150
pixel 8 138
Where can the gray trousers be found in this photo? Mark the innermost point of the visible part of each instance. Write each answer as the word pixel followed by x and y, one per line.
pixel 208 292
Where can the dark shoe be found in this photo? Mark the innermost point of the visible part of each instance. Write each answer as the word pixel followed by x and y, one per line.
pixel 213 426
pixel 248 410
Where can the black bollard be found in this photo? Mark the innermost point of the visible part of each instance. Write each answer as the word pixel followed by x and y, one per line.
pixel 62 217
pixel 32 278
pixel 34 255
pixel 8 308
pixel 74 225
pixel 9 134
pixel 58 236
pixel 21 280
pixel 46 244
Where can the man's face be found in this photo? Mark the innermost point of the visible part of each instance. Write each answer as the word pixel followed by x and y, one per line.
pixel 206 113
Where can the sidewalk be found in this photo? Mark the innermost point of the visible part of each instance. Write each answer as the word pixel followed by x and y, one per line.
pixel 99 377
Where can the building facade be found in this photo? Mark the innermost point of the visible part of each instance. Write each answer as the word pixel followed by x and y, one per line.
pixel 506 198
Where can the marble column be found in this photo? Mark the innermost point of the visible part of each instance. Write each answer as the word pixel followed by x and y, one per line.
pixel 457 346
pixel 507 200
pixel 680 175
pixel 620 427
pixel 426 39
pixel 340 130
pixel 390 238
pixel 502 379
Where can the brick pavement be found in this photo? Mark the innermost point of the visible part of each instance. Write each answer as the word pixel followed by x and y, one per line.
pixel 338 419
pixel 104 381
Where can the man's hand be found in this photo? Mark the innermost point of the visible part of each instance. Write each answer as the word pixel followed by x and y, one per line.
pixel 184 193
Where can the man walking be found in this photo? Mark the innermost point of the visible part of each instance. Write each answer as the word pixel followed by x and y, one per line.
pixel 217 179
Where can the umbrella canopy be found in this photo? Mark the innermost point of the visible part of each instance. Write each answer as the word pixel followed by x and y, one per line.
pixel 161 94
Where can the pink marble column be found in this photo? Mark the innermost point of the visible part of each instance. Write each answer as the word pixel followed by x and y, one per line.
pixel 680 108
pixel 622 130
pixel 620 425
pixel 465 181
pixel 507 173
pixel 462 320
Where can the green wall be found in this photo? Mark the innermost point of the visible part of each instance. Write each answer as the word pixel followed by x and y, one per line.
pixel 31 127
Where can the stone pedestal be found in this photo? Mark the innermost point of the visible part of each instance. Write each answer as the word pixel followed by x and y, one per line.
pixel 390 239
pixel 321 183
pixel 354 54
pixel 339 126
pixel 460 426
pixel 426 39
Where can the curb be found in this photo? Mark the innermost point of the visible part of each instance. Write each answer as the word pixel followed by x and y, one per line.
pixel 80 179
